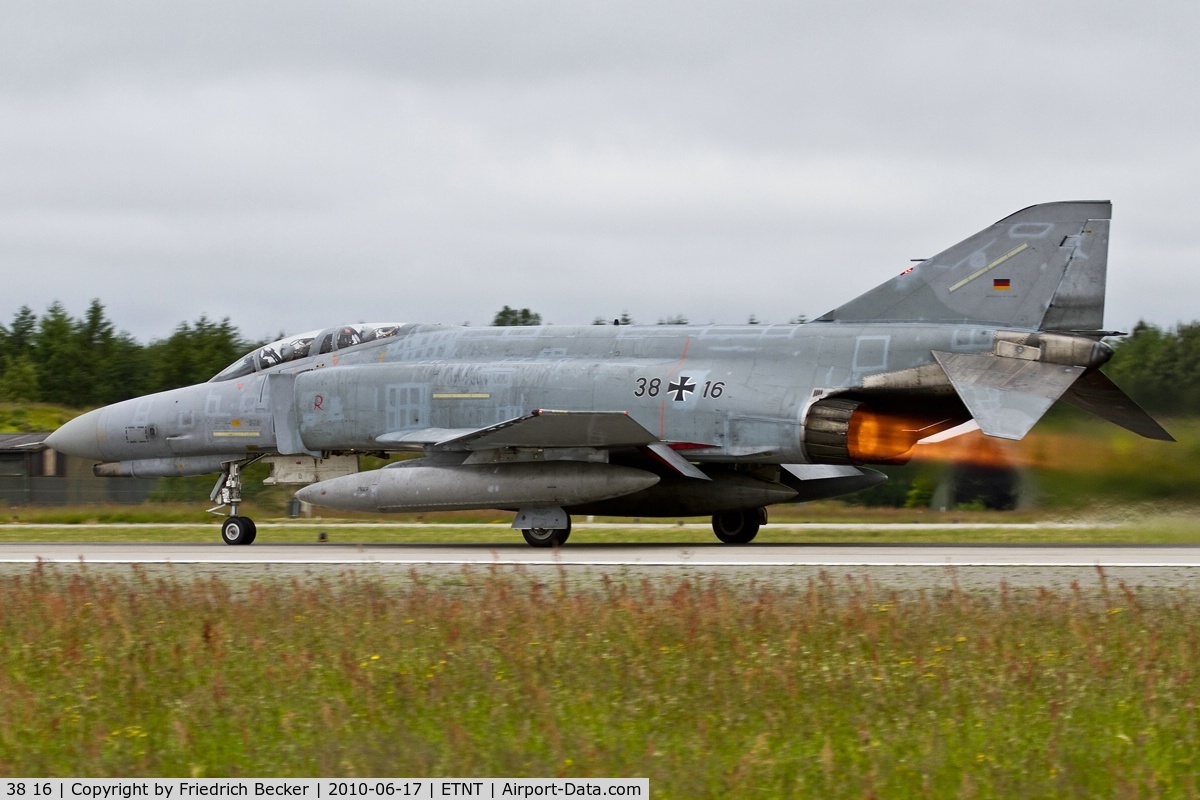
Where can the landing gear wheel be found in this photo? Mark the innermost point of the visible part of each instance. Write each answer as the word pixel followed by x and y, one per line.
pixel 546 537
pixel 238 530
pixel 738 527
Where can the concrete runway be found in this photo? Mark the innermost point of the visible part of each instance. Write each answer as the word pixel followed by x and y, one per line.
pixel 613 555
pixel 889 567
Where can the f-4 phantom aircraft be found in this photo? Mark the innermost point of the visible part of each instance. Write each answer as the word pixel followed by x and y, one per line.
pixel 664 421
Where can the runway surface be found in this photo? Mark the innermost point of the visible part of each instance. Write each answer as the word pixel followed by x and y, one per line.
pixel 890 567
pixel 613 555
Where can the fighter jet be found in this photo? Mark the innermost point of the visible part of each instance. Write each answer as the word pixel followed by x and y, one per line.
pixel 665 421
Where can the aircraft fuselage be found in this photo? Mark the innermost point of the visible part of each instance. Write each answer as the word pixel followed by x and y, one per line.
pixel 730 393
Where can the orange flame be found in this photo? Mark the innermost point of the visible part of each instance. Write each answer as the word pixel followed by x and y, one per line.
pixel 1039 449
pixel 876 437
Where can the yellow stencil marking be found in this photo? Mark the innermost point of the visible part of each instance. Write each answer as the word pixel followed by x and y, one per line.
pixel 990 266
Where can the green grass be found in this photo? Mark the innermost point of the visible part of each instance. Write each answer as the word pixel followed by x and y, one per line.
pixel 34 417
pixel 169 513
pixel 709 689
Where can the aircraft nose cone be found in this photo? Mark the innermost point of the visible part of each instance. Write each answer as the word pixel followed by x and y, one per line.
pixel 80 437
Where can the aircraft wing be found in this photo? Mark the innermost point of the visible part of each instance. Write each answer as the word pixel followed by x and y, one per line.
pixel 603 430
pixel 542 428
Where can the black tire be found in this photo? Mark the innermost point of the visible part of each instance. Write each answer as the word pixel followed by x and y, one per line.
pixel 546 537
pixel 238 530
pixel 737 527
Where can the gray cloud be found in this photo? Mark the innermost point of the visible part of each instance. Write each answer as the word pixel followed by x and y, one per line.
pixel 292 166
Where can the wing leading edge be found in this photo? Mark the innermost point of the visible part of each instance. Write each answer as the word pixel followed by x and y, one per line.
pixel 542 428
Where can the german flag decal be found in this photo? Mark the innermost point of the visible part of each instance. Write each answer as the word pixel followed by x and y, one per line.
pixel 1001 284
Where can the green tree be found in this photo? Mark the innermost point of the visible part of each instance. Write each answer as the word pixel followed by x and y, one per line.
pixel 127 373
pixel 74 362
pixel 19 338
pixel 58 358
pixel 1159 369
pixel 193 353
pixel 18 383
pixel 95 341
pixel 511 316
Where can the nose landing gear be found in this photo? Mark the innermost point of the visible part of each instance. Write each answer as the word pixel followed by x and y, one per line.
pixel 238 530
pixel 228 492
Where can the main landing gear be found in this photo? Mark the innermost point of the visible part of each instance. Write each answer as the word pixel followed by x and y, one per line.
pixel 739 527
pixel 731 527
pixel 546 537
pixel 543 526
pixel 228 492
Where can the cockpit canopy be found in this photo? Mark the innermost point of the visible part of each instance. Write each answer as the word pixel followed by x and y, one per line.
pixel 292 348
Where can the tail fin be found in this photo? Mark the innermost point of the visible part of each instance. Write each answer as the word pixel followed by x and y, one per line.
pixel 1042 268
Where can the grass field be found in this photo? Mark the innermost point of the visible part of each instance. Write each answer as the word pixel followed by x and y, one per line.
pixel 830 688
pixel 710 687
pixel 30 417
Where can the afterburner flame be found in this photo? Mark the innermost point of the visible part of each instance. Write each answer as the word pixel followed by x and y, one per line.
pixel 878 437
pixel 1037 450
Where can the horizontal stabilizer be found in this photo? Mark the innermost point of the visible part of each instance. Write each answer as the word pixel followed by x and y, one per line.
pixel 1096 393
pixel 601 429
pixel 1006 396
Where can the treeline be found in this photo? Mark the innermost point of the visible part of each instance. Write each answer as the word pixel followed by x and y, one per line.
pixel 56 358
pixel 1160 368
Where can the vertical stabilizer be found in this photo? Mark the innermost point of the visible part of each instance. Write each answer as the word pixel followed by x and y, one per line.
pixel 1041 268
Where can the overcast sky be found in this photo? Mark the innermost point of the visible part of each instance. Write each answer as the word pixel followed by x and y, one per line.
pixel 297 165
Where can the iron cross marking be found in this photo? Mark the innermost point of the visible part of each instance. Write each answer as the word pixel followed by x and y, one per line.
pixel 681 388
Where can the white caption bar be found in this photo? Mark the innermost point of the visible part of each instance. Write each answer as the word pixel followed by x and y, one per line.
pixel 316 788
